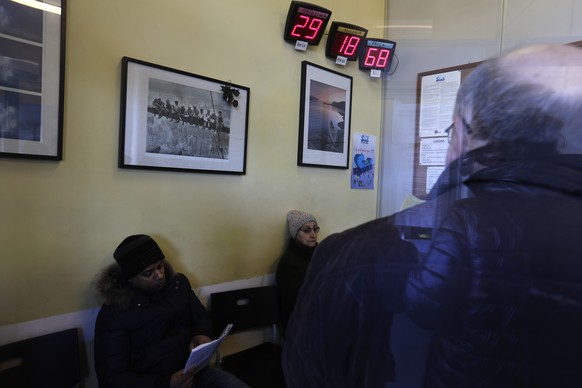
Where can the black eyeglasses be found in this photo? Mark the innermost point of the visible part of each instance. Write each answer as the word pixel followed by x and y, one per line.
pixel 467 127
pixel 449 132
pixel 308 230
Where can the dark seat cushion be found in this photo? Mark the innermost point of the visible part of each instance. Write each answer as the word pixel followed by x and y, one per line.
pixel 48 361
pixel 259 366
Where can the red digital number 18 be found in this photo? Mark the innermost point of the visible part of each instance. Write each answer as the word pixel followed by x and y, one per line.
pixel 349 45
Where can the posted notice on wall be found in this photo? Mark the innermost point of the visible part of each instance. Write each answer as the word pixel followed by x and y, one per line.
pixel 433 151
pixel 437 101
pixel 364 160
pixel 432 175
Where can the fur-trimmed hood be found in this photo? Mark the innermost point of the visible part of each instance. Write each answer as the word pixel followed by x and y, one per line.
pixel 112 288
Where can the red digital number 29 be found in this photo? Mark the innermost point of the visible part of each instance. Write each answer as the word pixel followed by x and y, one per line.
pixel 312 25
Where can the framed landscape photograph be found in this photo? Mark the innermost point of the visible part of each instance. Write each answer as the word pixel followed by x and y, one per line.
pixel 324 117
pixel 32 60
pixel 175 120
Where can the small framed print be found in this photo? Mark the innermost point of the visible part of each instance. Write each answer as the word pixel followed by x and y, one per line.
pixel 175 120
pixel 324 117
pixel 32 68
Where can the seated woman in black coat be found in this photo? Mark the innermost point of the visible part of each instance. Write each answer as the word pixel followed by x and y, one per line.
pixel 295 260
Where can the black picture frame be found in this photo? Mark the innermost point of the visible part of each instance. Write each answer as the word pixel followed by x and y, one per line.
pixel 32 63
pixel 180 121
pixel 324 117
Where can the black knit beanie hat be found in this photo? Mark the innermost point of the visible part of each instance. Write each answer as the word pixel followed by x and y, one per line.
pixel 136 253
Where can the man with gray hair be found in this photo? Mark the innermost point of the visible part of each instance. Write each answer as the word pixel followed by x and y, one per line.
pixel 501 285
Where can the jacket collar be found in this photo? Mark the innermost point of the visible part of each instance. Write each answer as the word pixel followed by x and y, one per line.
pixel 524 164
pixel 529 164
pixel 113 289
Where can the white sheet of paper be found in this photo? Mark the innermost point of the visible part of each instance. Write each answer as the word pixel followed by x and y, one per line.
pixel 437 101
pixel 201 354
pixel 433 151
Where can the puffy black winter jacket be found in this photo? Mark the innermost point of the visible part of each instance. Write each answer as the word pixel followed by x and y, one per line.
pixel 502 283
pixel 141 339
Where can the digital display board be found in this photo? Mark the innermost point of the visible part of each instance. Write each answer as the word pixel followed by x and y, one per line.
pixel 306 22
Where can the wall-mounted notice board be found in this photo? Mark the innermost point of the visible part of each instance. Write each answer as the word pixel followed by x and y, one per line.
pixel 435 99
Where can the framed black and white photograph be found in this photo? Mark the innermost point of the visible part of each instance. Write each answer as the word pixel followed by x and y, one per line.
pixel 32 60
pixel 175 120
pixel 324 117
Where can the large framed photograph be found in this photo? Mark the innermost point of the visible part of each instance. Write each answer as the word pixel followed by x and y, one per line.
pixel 324 117
pixel 175 120
pixel 32 60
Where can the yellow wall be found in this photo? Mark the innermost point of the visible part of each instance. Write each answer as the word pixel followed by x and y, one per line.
pixel 61 221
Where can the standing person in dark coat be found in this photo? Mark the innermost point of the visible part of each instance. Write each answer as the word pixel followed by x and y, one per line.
pixel 339 332
pixel 501 286
pixel 149 322
pixel 339 335
pixel 295 260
